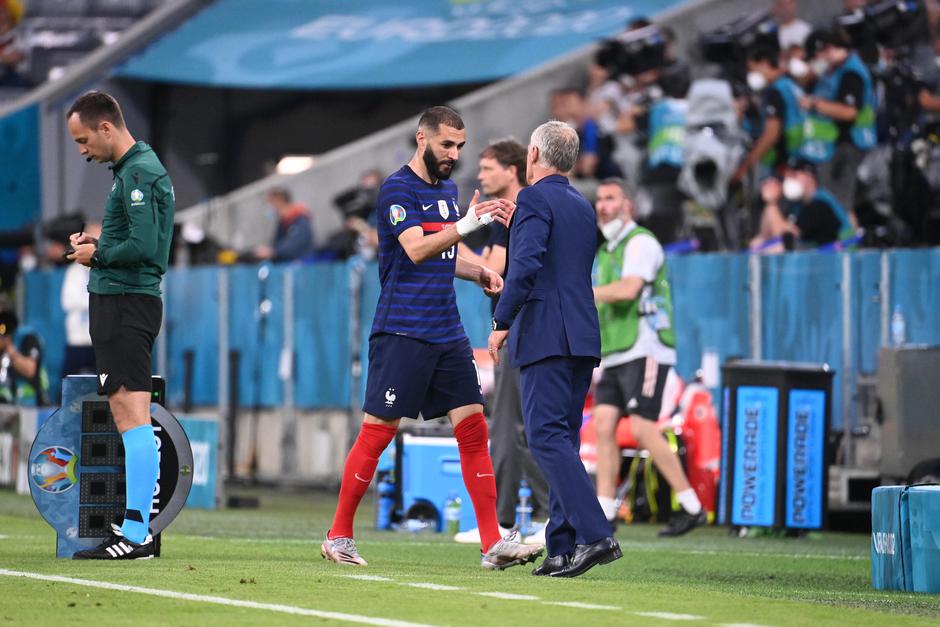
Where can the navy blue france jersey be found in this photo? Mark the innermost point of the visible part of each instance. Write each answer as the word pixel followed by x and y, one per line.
pixel 416 301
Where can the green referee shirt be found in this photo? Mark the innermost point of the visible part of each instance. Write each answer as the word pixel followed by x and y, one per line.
pixel 137 229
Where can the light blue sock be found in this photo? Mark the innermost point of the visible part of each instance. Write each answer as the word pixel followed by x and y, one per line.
pixel 142 466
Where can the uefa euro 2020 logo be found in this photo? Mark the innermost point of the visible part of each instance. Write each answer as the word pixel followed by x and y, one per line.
pixel 53 469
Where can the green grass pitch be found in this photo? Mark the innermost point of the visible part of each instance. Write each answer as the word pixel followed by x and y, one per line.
pixel 271 557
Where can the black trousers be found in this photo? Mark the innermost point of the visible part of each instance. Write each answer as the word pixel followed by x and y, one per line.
pixel 512 460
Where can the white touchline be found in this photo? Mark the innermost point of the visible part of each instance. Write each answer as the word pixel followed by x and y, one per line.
pixel 507 596
pixel 583 606
pixel 432 586
pixel 366 577
pixel 669 616
pixel 185 596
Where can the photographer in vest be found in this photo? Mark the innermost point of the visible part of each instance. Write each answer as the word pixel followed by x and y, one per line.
pixel 634 308
pixel 781 116
pixel 840 125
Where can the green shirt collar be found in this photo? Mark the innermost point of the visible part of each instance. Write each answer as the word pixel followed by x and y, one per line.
pixel 136 149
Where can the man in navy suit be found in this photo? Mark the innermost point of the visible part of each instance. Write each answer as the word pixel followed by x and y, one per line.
pixel 548 303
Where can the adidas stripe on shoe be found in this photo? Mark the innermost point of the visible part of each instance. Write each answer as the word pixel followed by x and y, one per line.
pixel 117 547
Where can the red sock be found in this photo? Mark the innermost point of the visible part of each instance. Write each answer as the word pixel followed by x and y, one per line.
pixel 361 462
pixel 477 468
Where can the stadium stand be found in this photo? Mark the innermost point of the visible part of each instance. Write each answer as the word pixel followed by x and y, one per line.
pixel 56 33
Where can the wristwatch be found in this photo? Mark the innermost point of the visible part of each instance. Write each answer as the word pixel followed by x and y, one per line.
pixel 499 326
pixel 94 261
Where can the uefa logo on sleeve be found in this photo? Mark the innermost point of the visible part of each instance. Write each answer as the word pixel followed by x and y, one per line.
pixel 396 214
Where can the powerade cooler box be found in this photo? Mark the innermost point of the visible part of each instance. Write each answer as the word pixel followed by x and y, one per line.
pixel 905 538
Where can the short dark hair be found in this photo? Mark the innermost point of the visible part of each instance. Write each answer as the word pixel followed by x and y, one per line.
pixel 507 152
pixel 566 91
pixel 802 165
pixel 95 107
pixel 836 36
pixel 764 53
pixel 281 192
pixel 432 119
pixel 8 322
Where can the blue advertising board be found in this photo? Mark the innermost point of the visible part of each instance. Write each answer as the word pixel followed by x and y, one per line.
pixel 754 490
pixel 806 433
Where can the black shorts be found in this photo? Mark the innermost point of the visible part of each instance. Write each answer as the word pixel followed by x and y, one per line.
pixel 123 328
pixel 636 387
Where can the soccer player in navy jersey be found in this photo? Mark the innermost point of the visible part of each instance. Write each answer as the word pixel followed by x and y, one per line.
pixel 420 360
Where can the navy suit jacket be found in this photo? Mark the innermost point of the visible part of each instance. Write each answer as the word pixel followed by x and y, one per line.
pixel 547 297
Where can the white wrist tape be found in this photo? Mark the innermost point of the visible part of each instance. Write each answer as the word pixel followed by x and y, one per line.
pixel 470 222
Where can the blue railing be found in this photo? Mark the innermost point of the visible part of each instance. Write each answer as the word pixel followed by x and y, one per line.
pixel 817 307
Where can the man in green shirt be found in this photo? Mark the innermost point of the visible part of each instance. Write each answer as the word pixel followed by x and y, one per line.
pixel 125 311
pixel 634 308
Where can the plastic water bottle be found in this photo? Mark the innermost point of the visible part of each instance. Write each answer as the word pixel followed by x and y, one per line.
pixel 898 327
pixel 524 509
pixel 452 514
pixel 386 504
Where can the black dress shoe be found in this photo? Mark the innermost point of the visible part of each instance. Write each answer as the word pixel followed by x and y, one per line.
pixel 683 522
pixel 552 565
pixel 587 556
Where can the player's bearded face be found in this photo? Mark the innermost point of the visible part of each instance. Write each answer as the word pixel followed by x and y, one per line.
pixel 442 151
pixel 440 168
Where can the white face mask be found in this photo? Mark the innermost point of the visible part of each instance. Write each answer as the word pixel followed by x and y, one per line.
pixel 611 229
pixel 792 189
pixel 756 81
pixel 798 68
pixel 28 262
pixel 819 66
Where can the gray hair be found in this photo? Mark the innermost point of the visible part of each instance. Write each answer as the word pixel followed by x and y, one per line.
pixel 558 145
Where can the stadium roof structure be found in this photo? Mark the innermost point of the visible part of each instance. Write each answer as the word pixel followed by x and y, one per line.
pixel 368 44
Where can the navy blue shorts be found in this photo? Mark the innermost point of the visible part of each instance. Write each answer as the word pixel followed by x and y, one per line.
pixel 408 377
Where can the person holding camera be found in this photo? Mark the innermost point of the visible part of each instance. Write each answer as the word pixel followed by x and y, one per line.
pixel 800 210
pixel 653 120
pixel 780 110
pixel 841 115
pixel 355 206
pixel 23 379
